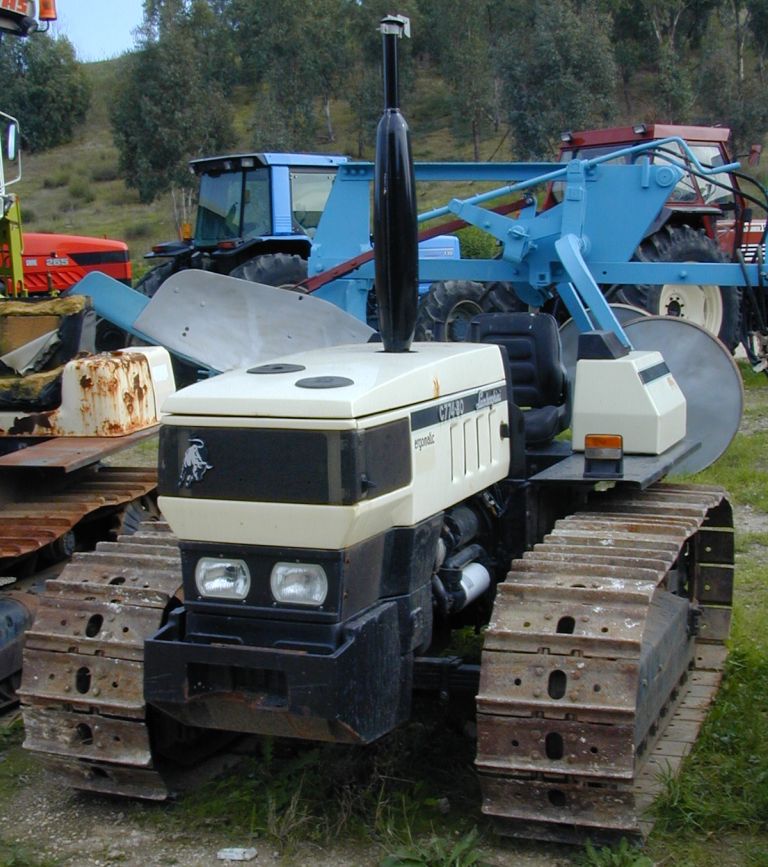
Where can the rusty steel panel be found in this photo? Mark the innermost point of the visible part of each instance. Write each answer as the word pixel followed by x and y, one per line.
pixel 85 682
pixel 93 627
pixel 87 736
pixel 626 586
pixel 560 802
pixel 580 545
pixel 588 570
pixel 73 453
pixel 583 620
pixel 569 747
pixel 520 684
pixel 649 530
pixel 575 555
pixel 109 779
pixel 105 395
pixel 565 535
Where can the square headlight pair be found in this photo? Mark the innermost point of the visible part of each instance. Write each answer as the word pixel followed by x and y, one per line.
pixel 290 583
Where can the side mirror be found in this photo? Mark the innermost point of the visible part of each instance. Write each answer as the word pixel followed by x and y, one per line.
pixel 12 147
pixel 754 154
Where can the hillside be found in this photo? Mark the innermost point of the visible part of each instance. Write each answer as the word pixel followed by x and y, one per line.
pixel 76 188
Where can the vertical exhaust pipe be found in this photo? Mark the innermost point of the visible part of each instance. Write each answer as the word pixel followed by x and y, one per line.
pixel 395 225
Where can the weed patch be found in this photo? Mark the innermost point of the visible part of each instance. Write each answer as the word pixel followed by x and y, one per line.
pixel 15 855
pixel 438 852
pixel 80 190
pixel 418 781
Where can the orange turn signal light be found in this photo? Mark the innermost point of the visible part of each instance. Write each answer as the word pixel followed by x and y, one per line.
pixel 604 441
pixel 603 456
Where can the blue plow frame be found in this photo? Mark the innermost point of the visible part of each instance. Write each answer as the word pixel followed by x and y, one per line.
pixel 587 239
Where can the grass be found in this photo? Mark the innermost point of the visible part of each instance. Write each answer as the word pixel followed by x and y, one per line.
pixel 394 792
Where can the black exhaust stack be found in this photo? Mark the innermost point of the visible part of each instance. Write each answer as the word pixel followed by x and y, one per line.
pixel 395 226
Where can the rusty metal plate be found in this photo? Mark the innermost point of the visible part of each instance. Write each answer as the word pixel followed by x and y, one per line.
pixel 565 535
pixel 73 453
pixel 87 736
pixel 575 555
pixel 138 579
pixel 589 570
pixel 109 779
pixel 85 682
pixel 93 627
pixel 521 684
pixel 159 548
pixel 627 587
pixel 648 530
pixel 577 749
pixel 595 623
pixel 559 802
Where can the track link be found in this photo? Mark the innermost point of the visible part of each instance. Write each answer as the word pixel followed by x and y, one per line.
pixel 591 684
pixel 82 688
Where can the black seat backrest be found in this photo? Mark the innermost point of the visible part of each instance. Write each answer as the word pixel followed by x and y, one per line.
pixel 532 345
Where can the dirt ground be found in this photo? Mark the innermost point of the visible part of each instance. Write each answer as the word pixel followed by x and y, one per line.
pixel 50 824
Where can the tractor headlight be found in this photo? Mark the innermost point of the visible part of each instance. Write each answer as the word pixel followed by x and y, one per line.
pixel 299 583
pixel 222 578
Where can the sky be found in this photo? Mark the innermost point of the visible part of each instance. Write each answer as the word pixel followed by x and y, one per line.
pixel 99 29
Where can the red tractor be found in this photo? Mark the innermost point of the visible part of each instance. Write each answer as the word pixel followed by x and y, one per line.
pixel 706 219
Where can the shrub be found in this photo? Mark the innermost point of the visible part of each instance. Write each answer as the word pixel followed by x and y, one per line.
pixel 80 190
pixel 104 172
pixel 61 179
pixel 476 244
pixel 139 230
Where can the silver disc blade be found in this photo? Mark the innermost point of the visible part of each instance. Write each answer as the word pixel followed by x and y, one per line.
pixel 708 376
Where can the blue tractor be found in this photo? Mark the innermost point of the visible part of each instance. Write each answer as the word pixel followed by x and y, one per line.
pixel 256 216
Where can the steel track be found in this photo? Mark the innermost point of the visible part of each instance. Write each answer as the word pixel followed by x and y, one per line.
pixel 574 733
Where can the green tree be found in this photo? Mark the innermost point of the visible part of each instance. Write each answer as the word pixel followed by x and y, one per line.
pixel 465 41
pixel 561 76
pixel 45 87
pixel 732 93
pixel 167 111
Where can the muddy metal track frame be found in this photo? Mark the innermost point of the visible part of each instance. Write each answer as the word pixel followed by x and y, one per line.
pixel 577 721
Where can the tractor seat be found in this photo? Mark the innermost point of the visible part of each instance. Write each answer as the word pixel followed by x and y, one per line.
pixel 37 338
pixel 539 382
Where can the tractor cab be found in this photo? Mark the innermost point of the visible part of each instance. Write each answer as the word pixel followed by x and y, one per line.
pixel 253 204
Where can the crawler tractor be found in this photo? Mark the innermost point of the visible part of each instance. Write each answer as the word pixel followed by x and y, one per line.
pixel 334 515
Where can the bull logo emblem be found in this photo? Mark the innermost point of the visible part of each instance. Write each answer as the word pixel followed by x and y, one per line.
pixel 195 464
